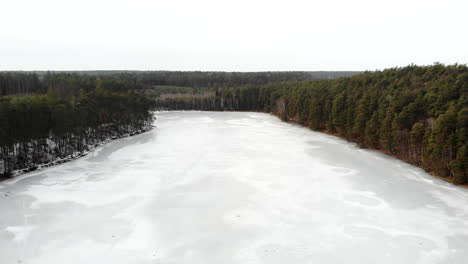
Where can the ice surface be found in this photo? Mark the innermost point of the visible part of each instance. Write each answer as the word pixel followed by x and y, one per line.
pixel 209 187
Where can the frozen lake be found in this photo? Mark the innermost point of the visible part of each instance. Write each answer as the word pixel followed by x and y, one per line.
pixel 219 188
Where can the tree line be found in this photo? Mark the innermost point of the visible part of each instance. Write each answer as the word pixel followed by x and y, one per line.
pixel 17 83
pixel 200 79
pixel 14 83
pixel 74 114
pixel 416 113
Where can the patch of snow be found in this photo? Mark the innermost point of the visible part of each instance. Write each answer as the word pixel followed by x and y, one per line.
pixel 20 233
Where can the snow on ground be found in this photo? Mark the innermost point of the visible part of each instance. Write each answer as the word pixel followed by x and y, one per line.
pixel 232 188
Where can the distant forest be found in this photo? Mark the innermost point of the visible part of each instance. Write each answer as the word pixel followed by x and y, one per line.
pixel 20 83
pixel 417 114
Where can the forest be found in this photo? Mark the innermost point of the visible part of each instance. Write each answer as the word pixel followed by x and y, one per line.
pixel 418 114
pixel 64 115
pixel 213 79
pixel 17 83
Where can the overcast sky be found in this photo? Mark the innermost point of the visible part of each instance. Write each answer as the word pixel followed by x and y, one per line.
pixel 240 35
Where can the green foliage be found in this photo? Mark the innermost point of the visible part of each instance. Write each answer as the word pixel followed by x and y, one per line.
pixel 72 123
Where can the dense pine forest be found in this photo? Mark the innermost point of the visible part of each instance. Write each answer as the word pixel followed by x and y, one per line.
pixel 17 83
pixel 62 116
pixel 417 114
pixel 213 79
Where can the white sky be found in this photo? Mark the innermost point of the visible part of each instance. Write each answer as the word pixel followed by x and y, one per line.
pixel 241 35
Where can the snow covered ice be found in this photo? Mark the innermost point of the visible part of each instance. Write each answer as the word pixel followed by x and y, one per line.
pixel 225 187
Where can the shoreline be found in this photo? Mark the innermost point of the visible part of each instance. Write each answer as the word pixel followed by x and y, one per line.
pixel 74 156
pixel 433 174
pixel 338 136
pixel 78 155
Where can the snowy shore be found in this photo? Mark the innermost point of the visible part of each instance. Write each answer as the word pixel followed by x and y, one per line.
pixel 75 155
